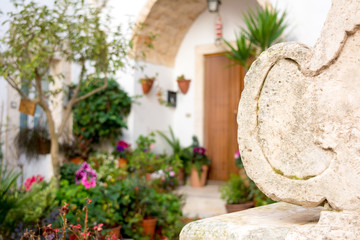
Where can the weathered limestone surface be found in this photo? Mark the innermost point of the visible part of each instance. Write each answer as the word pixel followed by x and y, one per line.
pixel 299 137
pixel 299 116
pixel 278 221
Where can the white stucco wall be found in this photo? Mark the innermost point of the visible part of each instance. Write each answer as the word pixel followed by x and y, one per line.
pixel 305 18
pixel 202 32
pixel 305 22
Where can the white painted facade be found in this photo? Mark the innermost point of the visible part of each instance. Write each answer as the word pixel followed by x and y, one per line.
pixel 305 18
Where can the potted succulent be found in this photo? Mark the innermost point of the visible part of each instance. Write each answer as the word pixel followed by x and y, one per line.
pixel 198 166
pixel 236 194
pixel 183 83
pixel 146 83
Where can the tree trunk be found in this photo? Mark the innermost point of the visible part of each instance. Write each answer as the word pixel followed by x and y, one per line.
pixel 54 145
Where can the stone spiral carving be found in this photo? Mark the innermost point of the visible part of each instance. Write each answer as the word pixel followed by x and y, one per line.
pixel 299 116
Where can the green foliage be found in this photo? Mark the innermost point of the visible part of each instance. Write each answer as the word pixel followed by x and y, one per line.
pixel 102 210
pixel 179 155
pixel 264 27
pixel 67 172
pixel 234 191
pixel 38 206
pixel 169 214
pixel 18 206
pixel 142 160
pixel 242 52
pixel 101 115
pixel 77 147
pixel 172 141
pixel 106 166
pixel 9 198
pixel 259 198
pixel 145 143
pixel 1 152
pixel 72 30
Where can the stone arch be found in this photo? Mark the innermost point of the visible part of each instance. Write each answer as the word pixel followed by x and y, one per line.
pixel 162 25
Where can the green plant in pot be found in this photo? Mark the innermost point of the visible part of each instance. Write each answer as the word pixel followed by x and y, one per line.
pixel 76 150
pixel 147 83
pixel 183 83
pixel 178 157
pixel 236 194
pixel 33 141
pixel 263 28
pixel 198 166
pixel 142 160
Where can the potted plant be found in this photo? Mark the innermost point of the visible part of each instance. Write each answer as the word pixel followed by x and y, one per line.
pixel 142 161
pixel 183 83
pixel 239 164
pixel 33 141
pixel 198 166
pixel 122 150
pixel 264 28
pixel 146 83
pixel 236 194
pixel 178 155
pixel 76 150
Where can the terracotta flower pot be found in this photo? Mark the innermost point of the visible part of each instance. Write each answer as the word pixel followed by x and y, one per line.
pixel 149 225
pixel 238 207
pixel 122 163
pixel 181 177
pixel 244 177
pixel 146 84
pixel 194 176
pixel 76 160
pixel 115 232
pixel 184 85
pixel 148 177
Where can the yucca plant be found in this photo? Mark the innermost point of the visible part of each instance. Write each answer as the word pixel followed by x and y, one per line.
pixel 264 27
pixel 243 51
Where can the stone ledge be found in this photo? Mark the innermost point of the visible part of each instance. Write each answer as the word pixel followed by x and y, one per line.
pixel 273 221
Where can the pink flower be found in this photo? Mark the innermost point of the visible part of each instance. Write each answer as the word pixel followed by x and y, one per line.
pixel 31 180
pixel 99 227
pixel 152 146
pixel 172 174
pixel 85 234
pixel 237 154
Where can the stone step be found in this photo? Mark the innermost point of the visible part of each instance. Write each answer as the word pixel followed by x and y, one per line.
pixel 202 202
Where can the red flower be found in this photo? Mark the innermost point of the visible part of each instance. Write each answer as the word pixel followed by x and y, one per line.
pixel 65 209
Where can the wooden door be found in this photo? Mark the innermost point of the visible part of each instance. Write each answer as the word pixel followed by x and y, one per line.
pixel 223 86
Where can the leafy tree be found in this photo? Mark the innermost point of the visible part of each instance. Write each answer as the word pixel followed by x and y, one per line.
pixel 39 35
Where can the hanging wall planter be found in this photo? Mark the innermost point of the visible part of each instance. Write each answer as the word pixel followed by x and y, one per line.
pixel 183 84
pixel 147 83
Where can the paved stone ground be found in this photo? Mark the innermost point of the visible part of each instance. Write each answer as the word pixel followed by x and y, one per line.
pixel 202 202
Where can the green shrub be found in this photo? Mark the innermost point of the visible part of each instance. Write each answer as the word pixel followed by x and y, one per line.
pixel 234 191
pixel 101 115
